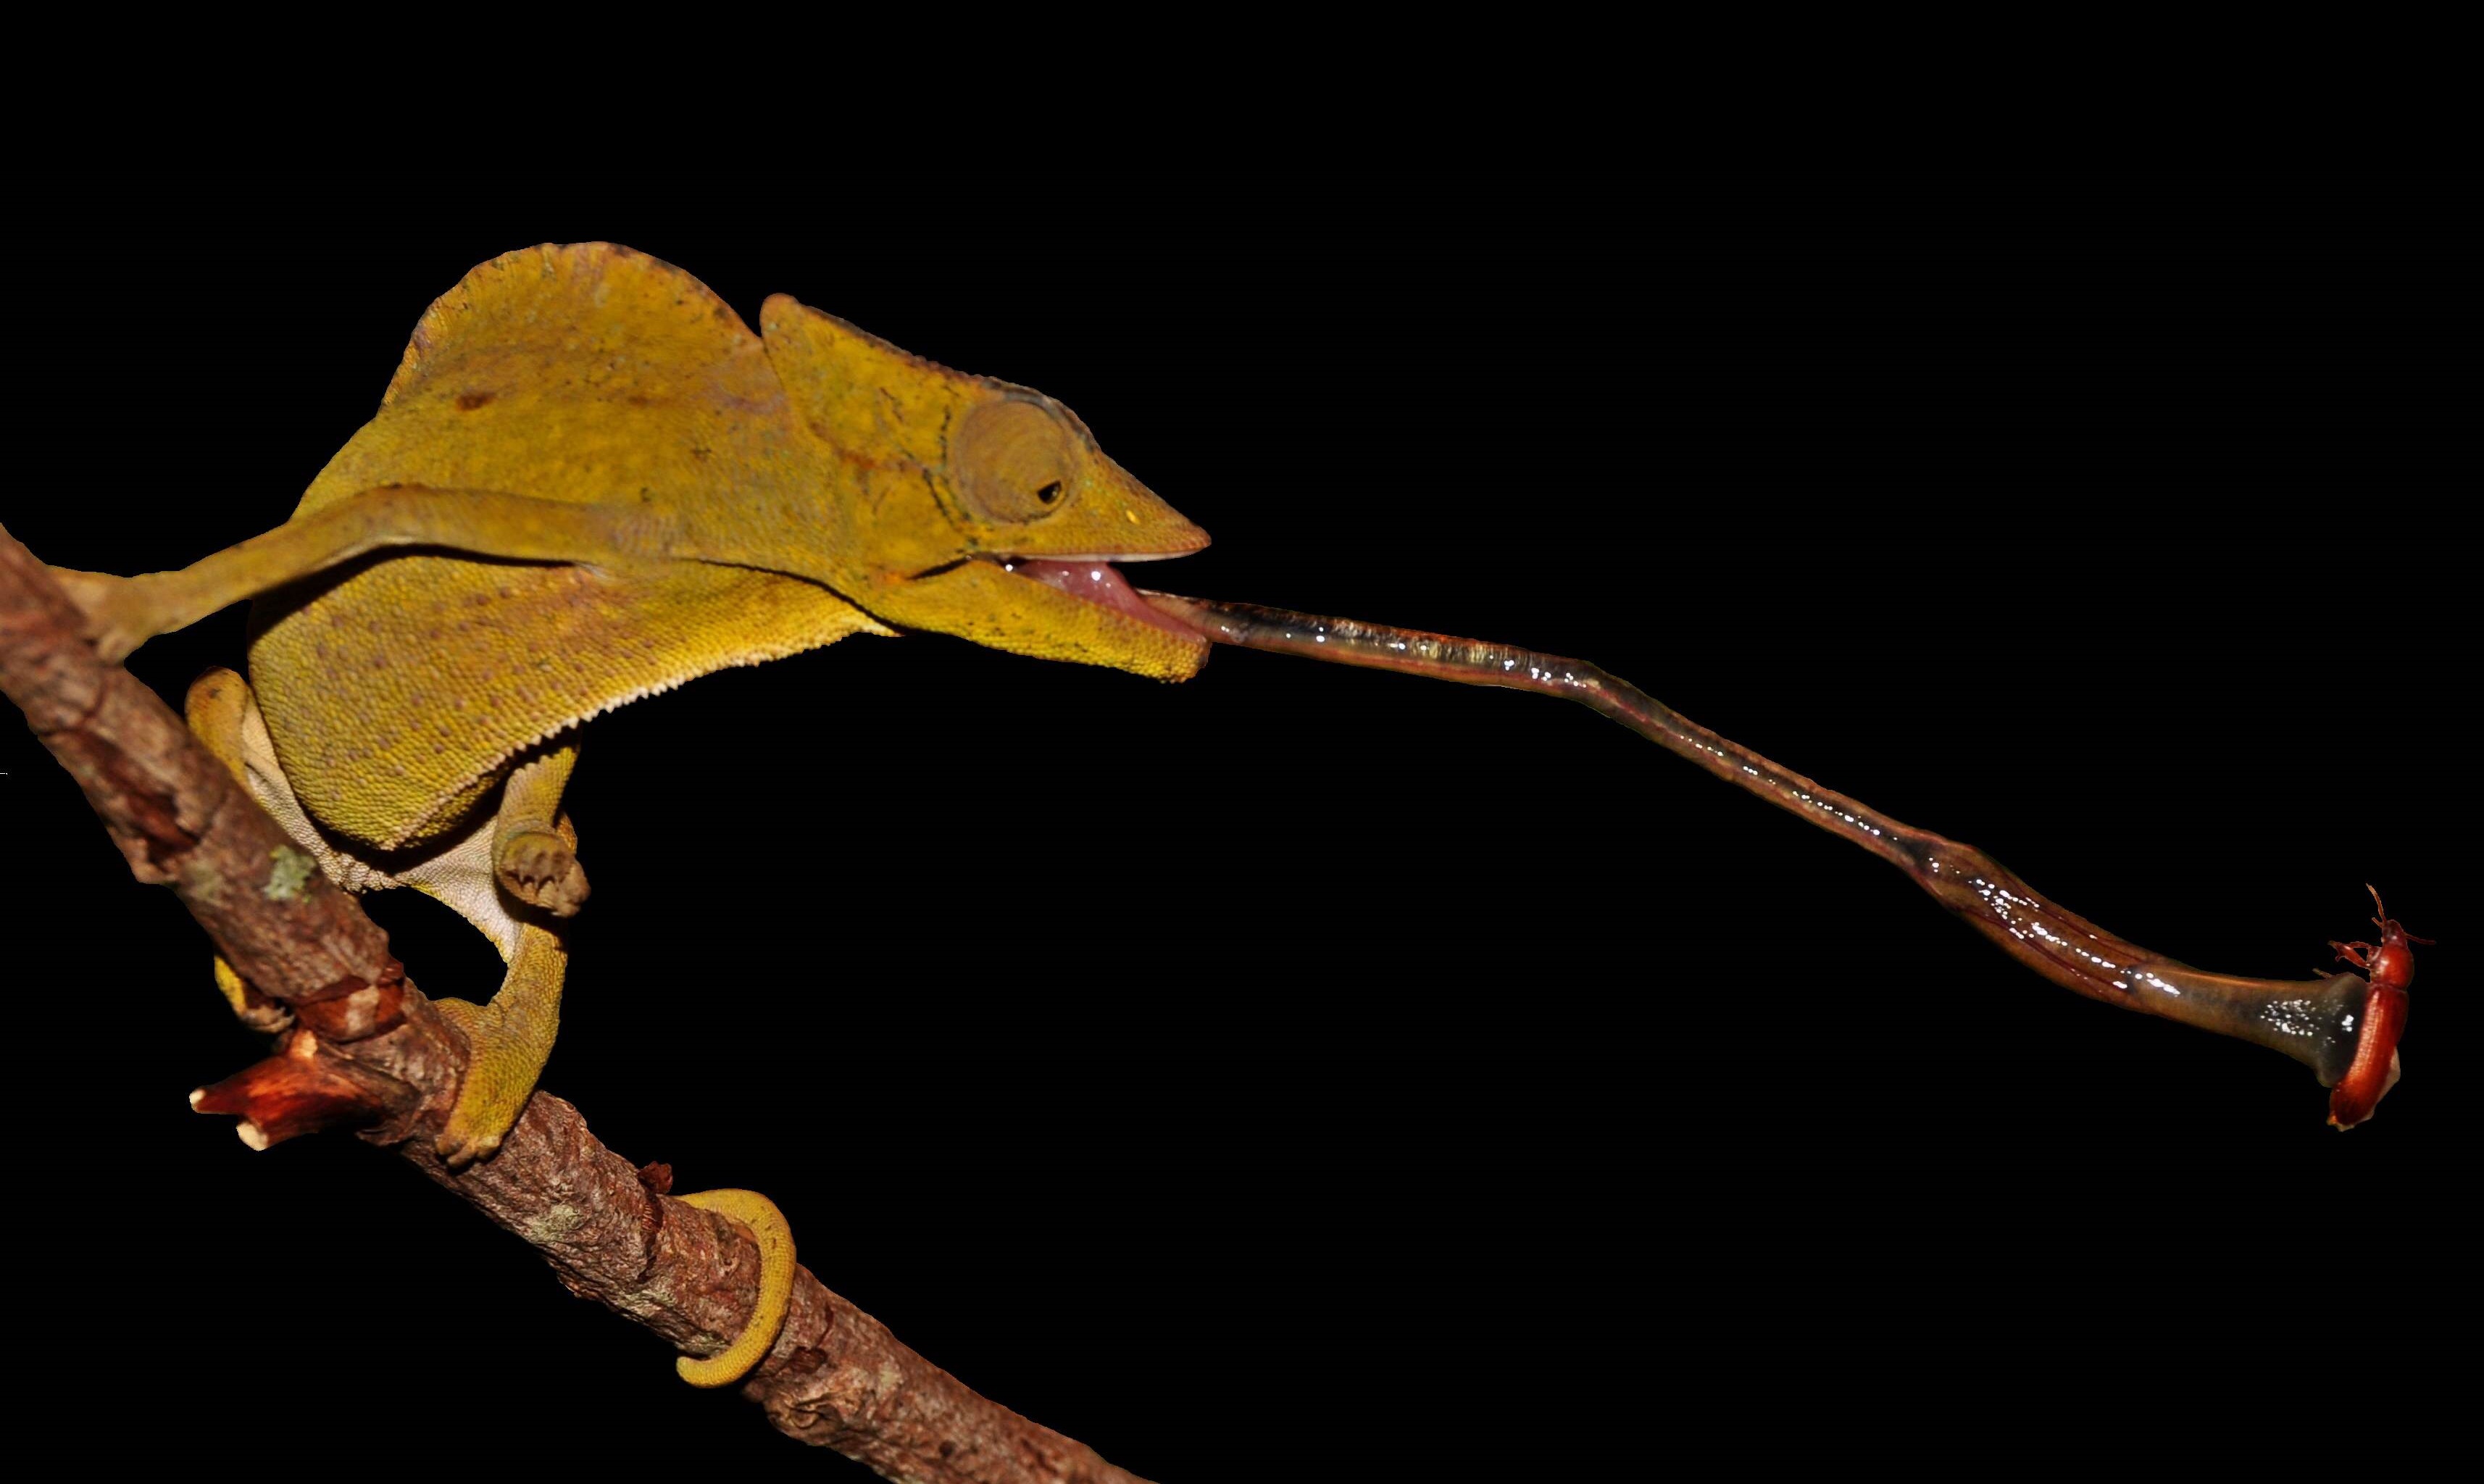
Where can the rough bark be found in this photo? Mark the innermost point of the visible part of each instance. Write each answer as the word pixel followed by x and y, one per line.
pixel 363 1048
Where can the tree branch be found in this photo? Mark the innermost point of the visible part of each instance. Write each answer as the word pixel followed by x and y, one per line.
pixel 363 1048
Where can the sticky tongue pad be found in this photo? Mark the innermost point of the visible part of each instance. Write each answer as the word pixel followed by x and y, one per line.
pixel 1099 583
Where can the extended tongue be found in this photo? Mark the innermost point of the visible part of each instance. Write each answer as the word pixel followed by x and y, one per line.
pixel 1099 583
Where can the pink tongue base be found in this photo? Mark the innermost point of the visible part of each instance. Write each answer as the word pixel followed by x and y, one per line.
pixel 1099 583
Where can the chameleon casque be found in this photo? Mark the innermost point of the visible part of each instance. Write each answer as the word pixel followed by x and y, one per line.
pixel 614 486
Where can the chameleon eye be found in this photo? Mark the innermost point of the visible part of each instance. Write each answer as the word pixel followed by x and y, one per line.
pixel 1014 460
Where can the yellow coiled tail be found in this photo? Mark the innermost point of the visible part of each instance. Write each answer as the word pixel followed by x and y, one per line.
pixel 775 1239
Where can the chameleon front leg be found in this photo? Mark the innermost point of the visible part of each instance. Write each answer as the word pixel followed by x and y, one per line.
pixel 534 858
pixel 507 1042
pixel 125 612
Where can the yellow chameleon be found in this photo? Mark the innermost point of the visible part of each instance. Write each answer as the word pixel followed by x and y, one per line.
pixel 590 481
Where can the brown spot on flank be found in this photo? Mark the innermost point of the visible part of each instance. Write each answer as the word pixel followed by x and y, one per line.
pixel 468 401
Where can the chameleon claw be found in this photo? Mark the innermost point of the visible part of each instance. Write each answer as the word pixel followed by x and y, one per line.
pixel 775 1239
pixel 541 869
pixel 458 1149
pixel 250 1008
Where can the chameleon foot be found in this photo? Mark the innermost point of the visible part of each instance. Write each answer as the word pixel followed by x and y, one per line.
pixel 118 616
pixel 254 1010
pixel 506 1044
pixel 775 1240
pixel 484 1111
pixel 540 868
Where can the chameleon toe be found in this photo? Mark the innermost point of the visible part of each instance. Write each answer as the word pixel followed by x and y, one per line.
pixel 538 867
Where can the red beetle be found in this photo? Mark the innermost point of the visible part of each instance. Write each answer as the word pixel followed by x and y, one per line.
pixel 2391 969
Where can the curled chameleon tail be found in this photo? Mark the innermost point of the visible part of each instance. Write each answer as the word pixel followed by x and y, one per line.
pixel 775 1238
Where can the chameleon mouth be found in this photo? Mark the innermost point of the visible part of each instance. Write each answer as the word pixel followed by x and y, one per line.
pixel 1093 581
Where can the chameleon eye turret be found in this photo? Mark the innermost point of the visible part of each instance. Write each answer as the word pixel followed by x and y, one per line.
pixel 1015 460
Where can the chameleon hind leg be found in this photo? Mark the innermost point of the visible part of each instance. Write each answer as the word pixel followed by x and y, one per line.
pixel 525 852
pixel 216 708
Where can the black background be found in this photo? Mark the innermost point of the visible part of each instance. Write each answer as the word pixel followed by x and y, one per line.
pixel 1308 1064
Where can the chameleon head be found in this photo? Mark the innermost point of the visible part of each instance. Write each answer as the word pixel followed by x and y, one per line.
pixel 973 507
